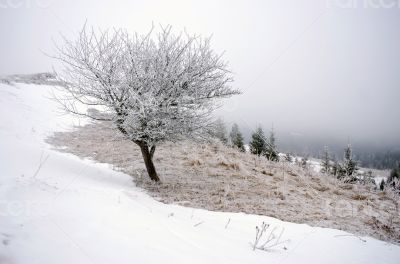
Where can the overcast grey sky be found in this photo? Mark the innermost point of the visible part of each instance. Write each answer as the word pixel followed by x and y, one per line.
pixel 309 67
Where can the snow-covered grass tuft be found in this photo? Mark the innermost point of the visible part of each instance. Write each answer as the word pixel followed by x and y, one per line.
pixel 268 238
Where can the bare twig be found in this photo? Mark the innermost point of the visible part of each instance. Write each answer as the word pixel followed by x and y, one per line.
pixel 271 241
pixel 199 223
pixel 226 226
pixel 41 162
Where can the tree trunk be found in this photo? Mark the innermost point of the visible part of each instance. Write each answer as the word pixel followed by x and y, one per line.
pixel 147 154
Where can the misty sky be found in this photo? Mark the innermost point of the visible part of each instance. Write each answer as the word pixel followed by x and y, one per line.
pixel 326 68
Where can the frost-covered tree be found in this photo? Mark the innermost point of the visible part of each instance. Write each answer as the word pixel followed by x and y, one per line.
pixel 394 173
pixel 337 169
pixel 219 131
pixel 326 160
pixel 394 178
pixel 258 142
pixel 349 165
pixel 304 162
pixel 288 157
pixel 382 185
pixel 271 151
pixel 154 87
pixel 236 138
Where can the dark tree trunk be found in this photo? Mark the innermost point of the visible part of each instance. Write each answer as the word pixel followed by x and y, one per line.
pixel 147 153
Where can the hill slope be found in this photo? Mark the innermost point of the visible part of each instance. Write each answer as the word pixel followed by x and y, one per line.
pixel 58 208
pixel 215 177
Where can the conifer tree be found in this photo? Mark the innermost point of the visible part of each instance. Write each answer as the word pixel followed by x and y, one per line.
pixel 289 157
pixel 382 185
pixel 271 151
pixel 236 138
pixel 303 162
pixel 350 165
pixel 394 173
pixel 335 168
pixel 219 131
pixel 258 142
pixel 325 161
pixel 394 178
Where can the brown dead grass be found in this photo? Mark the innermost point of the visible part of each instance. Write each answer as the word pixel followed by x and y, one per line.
pixel 219 178
pixel 359 197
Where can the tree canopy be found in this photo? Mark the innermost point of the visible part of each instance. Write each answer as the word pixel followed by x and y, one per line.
pixel 154 87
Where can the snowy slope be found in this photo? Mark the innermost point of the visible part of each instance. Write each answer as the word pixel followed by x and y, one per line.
pixel 57 208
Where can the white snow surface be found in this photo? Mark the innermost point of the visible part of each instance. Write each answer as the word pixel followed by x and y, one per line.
pixel 76 211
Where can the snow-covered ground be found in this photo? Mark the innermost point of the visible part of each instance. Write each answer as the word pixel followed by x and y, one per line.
pixel 57 208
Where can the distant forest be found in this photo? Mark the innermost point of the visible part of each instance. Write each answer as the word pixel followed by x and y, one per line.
pixel 379 160
pixel 368 154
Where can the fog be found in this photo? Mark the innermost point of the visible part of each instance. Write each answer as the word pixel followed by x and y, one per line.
pixel 319 72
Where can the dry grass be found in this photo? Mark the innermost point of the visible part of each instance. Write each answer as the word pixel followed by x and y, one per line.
pixel 359 197
pixel 215 177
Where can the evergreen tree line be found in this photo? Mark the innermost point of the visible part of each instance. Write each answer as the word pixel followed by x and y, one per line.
pixel 393 181
pixel 259 144
pixel 380 160
pixel 264 146
pixel 345 169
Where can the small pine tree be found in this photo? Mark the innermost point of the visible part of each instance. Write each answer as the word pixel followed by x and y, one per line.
pixel 394 178
pixel 325 160
pixel 335 168
pixel 338 170
pixel 236 138
pixel 271 151
pixel 350 165
pixel 289 157
pixel 303 162
pixel 368 177
pixel 382 185
pixel 258 142
pixel 394 174
pixel 219 131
